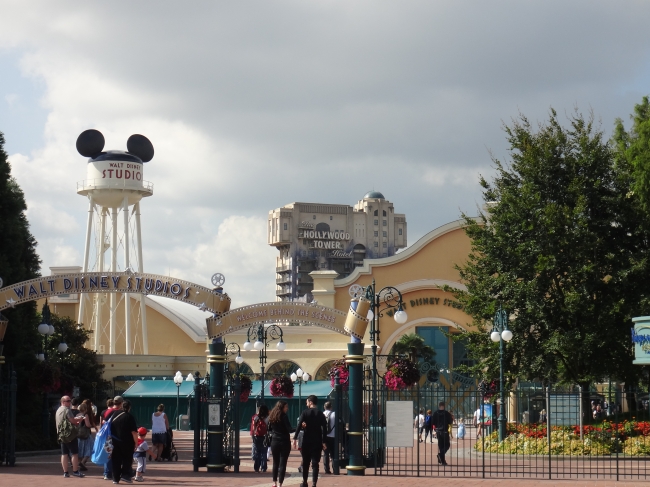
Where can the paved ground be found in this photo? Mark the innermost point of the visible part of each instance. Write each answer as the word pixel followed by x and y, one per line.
pixel 39 471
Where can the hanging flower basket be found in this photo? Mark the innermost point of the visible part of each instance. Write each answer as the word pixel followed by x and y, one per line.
pixel 282 387
pixel 341 367
pixel 246 386
pixel 401 373
pixel 488 388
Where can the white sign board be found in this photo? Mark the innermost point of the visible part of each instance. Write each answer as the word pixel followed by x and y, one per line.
pixel 399 424
pixel 214 414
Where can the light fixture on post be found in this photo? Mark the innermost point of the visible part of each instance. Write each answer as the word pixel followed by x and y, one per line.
pixel 300 377
pixel 263 335
pixel 178 380
pixel 387 300
pixel 501 334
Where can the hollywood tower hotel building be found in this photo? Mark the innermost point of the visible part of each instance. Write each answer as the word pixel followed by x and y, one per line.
pixel 315 236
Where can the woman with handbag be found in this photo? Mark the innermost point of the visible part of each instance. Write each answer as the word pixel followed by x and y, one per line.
pixel 280 429
pixel 259 430
pixel 85 438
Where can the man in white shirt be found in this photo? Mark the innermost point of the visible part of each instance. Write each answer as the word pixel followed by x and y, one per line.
pixel 477 422
pixel 418 423
pixel 330 417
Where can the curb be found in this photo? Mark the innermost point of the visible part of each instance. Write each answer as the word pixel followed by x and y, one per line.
pixel 38 453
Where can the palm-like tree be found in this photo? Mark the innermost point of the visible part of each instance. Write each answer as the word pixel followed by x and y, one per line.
pixel 414 346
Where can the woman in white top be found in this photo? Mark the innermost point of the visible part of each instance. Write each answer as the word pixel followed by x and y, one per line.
pixel 159 427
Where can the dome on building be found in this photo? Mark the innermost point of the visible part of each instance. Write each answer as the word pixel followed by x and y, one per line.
pixel 374 194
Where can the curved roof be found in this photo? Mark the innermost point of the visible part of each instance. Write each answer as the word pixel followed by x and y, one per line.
pixel 374 194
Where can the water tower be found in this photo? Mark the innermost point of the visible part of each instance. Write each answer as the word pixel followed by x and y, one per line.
pixel 114 186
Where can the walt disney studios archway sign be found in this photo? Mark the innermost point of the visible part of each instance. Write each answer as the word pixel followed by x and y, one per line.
pixel 115 282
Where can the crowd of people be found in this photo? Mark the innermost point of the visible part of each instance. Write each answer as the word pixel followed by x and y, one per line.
pixel 77 424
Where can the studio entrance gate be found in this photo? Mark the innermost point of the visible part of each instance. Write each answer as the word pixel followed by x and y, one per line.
pixel 613 449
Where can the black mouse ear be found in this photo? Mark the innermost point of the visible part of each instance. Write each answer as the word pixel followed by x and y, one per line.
pixel 90 143
pixel 140 146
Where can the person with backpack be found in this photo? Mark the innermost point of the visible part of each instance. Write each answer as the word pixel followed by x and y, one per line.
pixel 330 419
pixel 259 430
pixel 428 426
pixel 66 428
pixel 124 433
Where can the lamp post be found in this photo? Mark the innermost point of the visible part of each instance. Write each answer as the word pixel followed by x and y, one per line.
pixel 387 300
pixel 178 380
pixel 501 334
pixel 47 330
pixel 3 329
pixel 232 349
pixel 263 336
pixel 299 376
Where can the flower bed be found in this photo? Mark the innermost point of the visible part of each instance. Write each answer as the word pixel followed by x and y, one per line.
pixel 629 438
pixel 341 367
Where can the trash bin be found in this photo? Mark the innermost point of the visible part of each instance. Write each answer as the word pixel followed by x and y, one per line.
pixel 184 422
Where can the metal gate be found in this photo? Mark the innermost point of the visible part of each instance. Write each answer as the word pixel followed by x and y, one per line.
pixel 8 388
pixel 543 438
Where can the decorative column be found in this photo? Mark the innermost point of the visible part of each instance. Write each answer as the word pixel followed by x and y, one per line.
pixel 217 361
pixel 354 359
pixel 196 460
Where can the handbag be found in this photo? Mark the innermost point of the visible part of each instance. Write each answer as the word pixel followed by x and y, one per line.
pixel 267 440
pixel 84 431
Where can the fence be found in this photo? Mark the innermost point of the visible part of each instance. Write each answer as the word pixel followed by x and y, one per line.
pixel 543 440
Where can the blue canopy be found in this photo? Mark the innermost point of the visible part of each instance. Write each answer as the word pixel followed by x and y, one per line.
pixel 159 388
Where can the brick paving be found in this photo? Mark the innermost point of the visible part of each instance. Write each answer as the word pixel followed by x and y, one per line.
pixel 45 470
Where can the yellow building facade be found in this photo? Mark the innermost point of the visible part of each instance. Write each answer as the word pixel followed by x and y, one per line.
pixel 177 332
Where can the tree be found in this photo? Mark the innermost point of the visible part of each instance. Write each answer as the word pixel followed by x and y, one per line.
pixel 78 365
pixel 413 345
pixel 18 262
pixel 560 247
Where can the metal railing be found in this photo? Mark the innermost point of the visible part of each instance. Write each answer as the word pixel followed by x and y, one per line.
pixel 545 439
pixel 124 184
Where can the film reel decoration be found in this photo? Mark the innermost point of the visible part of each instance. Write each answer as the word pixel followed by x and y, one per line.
pixel 1 282
pixel 355 291
pixel 218 279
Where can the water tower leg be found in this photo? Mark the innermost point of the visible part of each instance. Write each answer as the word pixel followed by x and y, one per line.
pixel 113 269
pixel 143 304
pixel 98 302
pixel 89 229
pixel 127 296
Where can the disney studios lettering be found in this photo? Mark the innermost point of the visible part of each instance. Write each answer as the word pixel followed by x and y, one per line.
pixel 86 283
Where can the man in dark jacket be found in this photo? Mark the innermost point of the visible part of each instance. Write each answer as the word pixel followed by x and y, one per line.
pixel 312 423
pixel 124 432
pixel 441 420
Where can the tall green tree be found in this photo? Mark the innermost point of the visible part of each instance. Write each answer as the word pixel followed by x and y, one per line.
pixel 18 262
pixel 559 246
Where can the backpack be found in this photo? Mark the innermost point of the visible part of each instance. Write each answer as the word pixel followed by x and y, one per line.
pixel 427 422
pixel 66 431
pixel 103 446
pixel 258 426
pixel 330 425
pixel 84 431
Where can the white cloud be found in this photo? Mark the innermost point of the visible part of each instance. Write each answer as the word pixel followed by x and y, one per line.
pixel 253 106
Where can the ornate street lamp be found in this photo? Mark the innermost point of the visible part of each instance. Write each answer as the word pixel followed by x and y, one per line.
pixel 178 380
pixel 263 336
pixel 387 300
pixel 300 377
pixel 501 334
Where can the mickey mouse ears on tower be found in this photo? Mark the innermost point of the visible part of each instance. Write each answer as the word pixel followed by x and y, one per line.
pixel 90 143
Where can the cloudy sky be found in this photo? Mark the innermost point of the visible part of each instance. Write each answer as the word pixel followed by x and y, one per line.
pixel 253 105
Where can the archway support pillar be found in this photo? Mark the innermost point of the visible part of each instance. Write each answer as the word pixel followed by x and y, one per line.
pixel 354 360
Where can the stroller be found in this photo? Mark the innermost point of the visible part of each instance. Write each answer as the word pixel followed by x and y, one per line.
pixel 169 452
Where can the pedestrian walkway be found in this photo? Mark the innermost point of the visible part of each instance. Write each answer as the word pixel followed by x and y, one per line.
pixel 45 471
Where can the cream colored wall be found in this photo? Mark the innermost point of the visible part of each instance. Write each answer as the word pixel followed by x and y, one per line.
pixel 418 272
